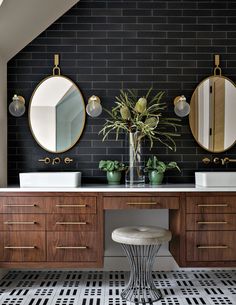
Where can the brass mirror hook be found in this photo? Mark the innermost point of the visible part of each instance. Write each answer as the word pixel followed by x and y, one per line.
pixel 217 68
pixel 56 65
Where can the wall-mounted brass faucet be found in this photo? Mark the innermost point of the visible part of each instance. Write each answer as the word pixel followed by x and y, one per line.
pixel 217 160
pixel 56 160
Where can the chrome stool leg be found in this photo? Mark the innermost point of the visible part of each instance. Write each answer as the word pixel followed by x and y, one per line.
pixel 141 287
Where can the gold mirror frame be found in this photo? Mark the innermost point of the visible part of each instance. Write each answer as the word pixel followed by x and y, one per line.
pixel 216 69
pixel 56 68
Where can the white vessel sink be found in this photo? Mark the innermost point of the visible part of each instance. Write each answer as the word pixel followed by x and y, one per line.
pixel 50 179
pixel 213 179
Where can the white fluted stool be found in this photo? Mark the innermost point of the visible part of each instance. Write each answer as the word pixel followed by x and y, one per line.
pixel 141 245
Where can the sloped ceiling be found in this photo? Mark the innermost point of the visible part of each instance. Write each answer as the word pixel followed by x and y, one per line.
pixel 23 20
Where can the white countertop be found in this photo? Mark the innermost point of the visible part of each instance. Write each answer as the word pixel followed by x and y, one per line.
pixel 123 188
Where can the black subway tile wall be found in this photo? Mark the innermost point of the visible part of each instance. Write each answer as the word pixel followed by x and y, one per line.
pixel 106 45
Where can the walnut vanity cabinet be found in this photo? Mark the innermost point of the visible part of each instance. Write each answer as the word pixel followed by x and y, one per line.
pixel 211 230
pixel 51 230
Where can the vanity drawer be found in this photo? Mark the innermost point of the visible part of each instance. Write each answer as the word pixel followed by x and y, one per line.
pixel 71 246
pixel 22 222
pixel 211 246
pixel 22 246
pixel 73 205
pixel 24 205
pixel 71 222
pixel 210 222
pixel 126 202
pixel 220 204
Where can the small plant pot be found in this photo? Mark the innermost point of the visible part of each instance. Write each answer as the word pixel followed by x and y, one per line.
pixel 113 177
pixel 155 177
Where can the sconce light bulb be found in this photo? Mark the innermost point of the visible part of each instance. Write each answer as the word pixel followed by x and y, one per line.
pixel 182 108
pixel 17 106
pixel 94 107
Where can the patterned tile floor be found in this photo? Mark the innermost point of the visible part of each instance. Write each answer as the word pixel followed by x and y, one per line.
pixel 201 287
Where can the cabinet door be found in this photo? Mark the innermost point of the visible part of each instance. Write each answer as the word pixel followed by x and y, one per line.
pixel 22 246
pixel 141 202
pixel 72 246
pixel 73 205
pixel 205 222
pixel 211 204
pixel 211 246
pixel 24 204
pixel 22 222
pixel 71 222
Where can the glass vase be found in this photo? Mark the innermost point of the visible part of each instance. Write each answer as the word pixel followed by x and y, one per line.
pixel 135 174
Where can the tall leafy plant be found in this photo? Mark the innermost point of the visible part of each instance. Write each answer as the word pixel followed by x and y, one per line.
pixel 144 115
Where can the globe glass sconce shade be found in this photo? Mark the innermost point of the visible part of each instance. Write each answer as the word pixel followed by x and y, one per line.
pixel 182 108
pixel 94 107
pixel 17 106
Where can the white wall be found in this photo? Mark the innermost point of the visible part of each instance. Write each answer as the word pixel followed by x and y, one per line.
pixel 3 122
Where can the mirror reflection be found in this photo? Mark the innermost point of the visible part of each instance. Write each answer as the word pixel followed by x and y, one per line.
pixel 212 115
pixel 57 114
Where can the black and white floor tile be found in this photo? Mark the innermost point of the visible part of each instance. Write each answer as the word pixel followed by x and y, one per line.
pixel 199 287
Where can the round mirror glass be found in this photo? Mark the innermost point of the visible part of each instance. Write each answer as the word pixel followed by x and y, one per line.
pixel 212 114
pixel 57 114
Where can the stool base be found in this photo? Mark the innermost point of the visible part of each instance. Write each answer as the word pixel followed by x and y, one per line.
pixel 141 288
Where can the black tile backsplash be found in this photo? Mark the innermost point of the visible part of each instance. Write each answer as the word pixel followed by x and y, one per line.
pixel 105 45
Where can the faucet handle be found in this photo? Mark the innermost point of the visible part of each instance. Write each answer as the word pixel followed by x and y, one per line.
pixel 206 160
pixel 46 160
pixel 68 160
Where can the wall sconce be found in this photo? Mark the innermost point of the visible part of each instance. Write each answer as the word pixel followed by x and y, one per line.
pixel 17 106
pixel 94 107
pixel 182 108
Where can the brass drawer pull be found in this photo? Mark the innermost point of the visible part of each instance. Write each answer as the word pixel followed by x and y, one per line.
pixel 70 223
pixel 71 205
pixel 141 203
pixel 20 222
pixel 79 247
pixel 213 205
pixel 212 247
pixel 19 247
pixel 212 222
pixel 21 205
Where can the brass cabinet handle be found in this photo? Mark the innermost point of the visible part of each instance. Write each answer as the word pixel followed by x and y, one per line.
pixel 213 205
pixel 19 247
pixel 20 222
pixel 70 223
pixel 141 203
pixel 68 247
pixel 213 247
pixel 21 205
pixel 212 222
pixel 71 205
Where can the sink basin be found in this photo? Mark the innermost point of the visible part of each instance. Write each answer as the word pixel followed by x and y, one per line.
pixel 50 179
pixel 213 179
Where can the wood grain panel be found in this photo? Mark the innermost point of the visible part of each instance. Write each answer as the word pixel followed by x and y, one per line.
pixel 211 246
pixel 71 222
pixel 22 222
pixel 134 202
pixel 22 246
pixel 24 204
pixel 73 205
pixel 211 204
pixel 210 222
pixel 68 246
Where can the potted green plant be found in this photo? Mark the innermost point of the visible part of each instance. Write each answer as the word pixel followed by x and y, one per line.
pixel 140 117
pixel 156 169
pixel 113 169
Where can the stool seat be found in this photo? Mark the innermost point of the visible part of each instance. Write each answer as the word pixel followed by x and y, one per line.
pixel 141 235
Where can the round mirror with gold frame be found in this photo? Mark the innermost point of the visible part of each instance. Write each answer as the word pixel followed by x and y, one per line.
pixel 212 112
pixel 57 113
